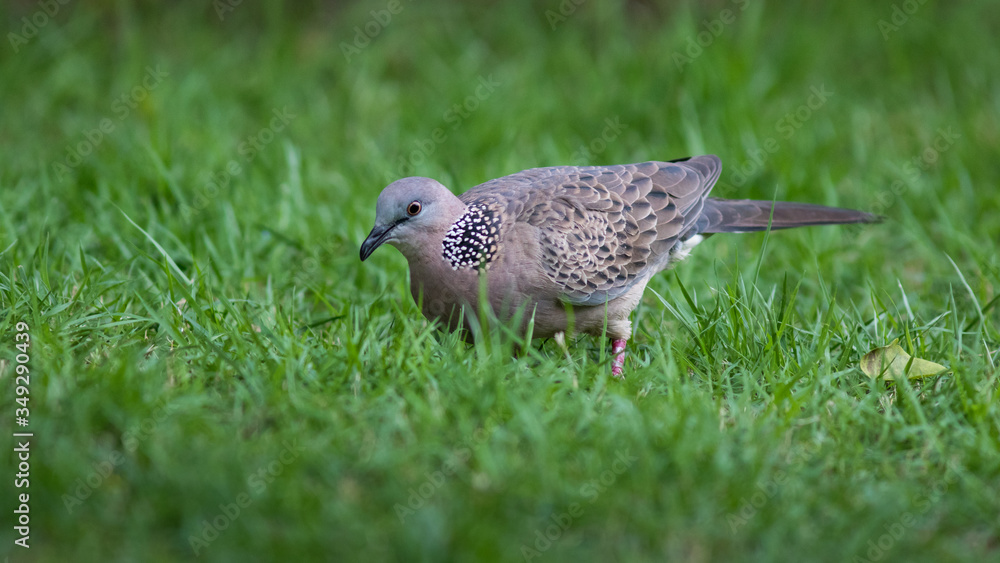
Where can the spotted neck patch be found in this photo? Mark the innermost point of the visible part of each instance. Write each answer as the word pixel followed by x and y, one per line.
pixel 473 240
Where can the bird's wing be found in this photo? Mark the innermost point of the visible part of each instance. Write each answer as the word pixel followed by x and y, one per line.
pixel 601 229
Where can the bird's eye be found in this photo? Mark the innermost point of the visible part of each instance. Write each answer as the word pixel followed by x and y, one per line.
pixel 413 208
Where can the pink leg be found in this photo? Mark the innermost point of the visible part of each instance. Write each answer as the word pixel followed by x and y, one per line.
pixel 618 365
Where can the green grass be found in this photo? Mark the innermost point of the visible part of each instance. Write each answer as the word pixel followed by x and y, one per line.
pixel 198 346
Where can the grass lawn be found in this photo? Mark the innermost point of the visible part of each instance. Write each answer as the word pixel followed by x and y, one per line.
pixel 215 375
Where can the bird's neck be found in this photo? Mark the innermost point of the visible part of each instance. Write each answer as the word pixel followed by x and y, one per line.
pixel 434 283
pixel 425 252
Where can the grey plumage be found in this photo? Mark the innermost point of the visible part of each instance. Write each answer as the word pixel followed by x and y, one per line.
pixel 582 237
pixel 603 228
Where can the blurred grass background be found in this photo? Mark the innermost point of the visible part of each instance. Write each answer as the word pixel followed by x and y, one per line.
pixel 184 186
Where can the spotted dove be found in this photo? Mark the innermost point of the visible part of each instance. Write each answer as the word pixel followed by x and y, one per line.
pixel 572 246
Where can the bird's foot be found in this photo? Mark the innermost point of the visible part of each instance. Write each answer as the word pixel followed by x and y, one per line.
pixel 618 364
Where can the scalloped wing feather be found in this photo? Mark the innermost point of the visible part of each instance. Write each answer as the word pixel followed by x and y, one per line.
pixel 602 229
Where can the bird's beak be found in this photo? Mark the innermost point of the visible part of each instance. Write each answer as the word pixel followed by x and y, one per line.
pixel 375 239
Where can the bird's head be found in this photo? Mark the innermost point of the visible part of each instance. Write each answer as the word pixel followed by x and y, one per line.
pixel 410 212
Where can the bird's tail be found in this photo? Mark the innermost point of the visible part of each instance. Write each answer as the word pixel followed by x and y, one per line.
pixel 748 215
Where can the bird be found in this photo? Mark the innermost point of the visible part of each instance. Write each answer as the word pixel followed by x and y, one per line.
pixel 571 247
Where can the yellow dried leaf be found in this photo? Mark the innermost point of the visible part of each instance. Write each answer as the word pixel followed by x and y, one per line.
pixel 890 362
